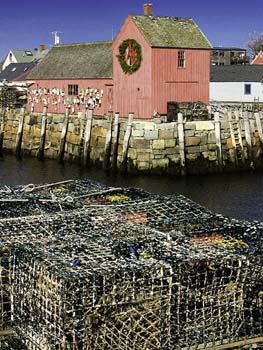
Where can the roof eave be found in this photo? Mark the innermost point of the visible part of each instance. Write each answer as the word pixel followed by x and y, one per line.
pixel 203 34
pixel 71 78
pixel 180 47
pixel 173 47
pixel 140 30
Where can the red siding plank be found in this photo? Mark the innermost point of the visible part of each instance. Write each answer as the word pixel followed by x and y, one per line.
pixel 100 84
pixel 132 92
pixel 170 83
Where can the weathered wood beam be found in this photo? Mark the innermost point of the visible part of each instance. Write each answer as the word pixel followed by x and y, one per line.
pixel 126 140
pixel 41 150
pixel 116 127
pixel 107 148
pixel 218 141
pixel 181 138
pixel 237 344
pixel 87 137
pixel 63 136
pixel 6 332
pixel 20 133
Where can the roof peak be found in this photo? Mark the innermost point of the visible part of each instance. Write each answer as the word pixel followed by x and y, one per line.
pixel 168 17
pixel 21 50
pixel 168 31
pixel 85 43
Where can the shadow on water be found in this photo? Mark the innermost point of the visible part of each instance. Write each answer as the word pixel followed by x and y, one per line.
pixel 239 195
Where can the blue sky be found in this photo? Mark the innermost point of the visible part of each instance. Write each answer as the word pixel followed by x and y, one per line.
pixel 26 24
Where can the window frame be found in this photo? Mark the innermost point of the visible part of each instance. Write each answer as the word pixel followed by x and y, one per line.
pixel 246 92
pixel 73 89
pixel 181 59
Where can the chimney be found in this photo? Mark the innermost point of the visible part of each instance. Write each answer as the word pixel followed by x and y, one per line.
pixel 148 9
pixel 41 47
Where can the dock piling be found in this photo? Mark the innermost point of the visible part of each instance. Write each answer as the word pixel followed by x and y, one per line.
pixel 181 143
pixel 87 137
pixel 116 128
pixel 63 136
pixel 218 141
pixel 41 150
pixel 126 140
pixel 248 137
pixel 107 148
pixel 19 136
pixel 258 118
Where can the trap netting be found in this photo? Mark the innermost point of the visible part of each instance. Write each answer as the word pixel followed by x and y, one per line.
pixel 18 201
pixel 5 285
pixel 130 270
pixel 107 293
pixel 12 343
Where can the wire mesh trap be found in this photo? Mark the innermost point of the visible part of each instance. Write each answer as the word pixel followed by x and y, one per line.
pixel 18 201
pixel 97 295
pixel 124 269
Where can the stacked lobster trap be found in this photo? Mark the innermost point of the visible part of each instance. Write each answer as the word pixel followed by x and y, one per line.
pixel 124 269
pixel 19 201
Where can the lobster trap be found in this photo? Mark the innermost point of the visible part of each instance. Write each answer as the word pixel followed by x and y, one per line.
pixel 113 292
pixel 124 269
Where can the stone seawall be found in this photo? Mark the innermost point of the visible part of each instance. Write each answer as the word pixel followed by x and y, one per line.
pixel 133 145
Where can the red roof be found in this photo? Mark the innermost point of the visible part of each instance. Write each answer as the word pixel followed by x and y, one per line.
pixel 258 59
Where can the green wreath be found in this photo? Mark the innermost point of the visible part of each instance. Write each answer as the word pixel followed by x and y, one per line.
pixel 130 68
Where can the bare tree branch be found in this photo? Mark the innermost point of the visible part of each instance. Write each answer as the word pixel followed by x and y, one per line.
pixel 255 43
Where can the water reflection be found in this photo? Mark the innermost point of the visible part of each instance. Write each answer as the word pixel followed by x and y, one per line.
pixel 236 195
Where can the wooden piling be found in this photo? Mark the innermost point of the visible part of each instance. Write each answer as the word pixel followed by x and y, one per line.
pixel 87 137
pixel 181 138
pixel 41 150
pixel 2 127
pixel 252 123
pixel 19 135
pixel 63 136
pixel 218 142
pixel 116 128
pixel 258 118
pixel 82 117
pixel 248 138
pixel 107 148
pixel 126 140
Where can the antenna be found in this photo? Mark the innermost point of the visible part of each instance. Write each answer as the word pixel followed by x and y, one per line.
pixel 56 37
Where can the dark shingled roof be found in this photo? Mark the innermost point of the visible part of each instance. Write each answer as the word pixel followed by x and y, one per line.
pixel 236 73
pixel 171 32
pixel 228 48
pixel 17 71
pixel 76 61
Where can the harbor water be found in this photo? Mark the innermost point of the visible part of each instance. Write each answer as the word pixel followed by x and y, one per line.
pixel 238 195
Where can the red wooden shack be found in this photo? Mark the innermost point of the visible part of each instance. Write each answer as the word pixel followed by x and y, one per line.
pixel 152 61
pixel 75 75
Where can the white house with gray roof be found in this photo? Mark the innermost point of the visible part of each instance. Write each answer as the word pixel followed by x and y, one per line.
pixel 236 83
pixel 24 56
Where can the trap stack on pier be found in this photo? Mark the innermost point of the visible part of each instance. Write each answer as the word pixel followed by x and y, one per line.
pixel 131 270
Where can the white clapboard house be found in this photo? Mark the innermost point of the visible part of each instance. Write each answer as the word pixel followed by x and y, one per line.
pixel 236 83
